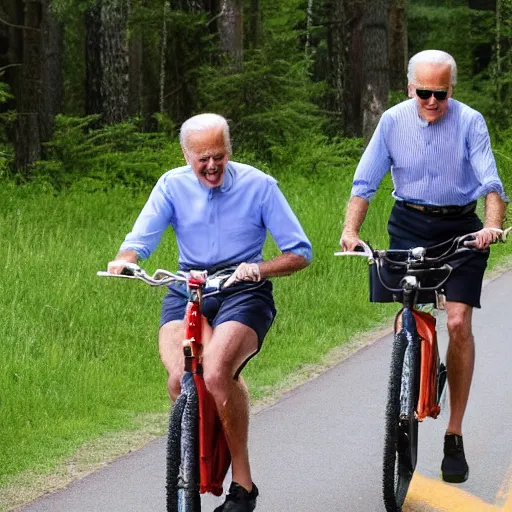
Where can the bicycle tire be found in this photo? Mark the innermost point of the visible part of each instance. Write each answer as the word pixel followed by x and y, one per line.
pixel 401 436
pixel 182 478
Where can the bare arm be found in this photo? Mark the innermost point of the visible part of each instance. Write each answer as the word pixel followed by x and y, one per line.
pixel 494 210
pixel 494 215
pixel 282 265
pixel 354 218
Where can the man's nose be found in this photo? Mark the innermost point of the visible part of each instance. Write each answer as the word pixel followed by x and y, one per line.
pixel 211 163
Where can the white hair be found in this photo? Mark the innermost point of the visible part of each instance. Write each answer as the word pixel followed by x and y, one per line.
pixel 203 122
pixel 432 57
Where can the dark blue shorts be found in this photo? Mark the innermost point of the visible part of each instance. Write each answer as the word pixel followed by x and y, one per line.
pixel 409 228
pixel 250 304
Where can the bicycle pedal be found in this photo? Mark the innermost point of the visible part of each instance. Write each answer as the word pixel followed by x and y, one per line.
pixel 441 382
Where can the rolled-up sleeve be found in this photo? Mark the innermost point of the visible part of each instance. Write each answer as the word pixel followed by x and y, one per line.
pixel 482 159
pixel 374 164
pixel 283 224
pixel 155 217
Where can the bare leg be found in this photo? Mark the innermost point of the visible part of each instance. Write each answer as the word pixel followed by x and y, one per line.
pixel 231 344
pixel 460 361
pixel 170 345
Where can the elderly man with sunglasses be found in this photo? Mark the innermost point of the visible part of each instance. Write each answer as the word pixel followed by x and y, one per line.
pixel 439 153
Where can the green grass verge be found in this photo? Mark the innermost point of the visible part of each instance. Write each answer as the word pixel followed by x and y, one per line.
pixel 79 354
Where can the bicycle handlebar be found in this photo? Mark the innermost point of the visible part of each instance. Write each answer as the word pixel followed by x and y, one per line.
pixel 367 252
pixel 165 278
pixel 458 245
pixel 417 262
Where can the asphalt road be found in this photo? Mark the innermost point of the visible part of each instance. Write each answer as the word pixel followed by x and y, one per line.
pixel 319 448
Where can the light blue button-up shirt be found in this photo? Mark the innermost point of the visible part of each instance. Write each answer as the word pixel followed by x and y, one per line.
pixel 447 162
pixel 219 226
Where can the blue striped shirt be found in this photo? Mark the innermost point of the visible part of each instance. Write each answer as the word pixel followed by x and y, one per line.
pixel 219 226
pixel 447 162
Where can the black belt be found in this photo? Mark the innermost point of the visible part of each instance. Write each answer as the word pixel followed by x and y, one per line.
pixel 439 211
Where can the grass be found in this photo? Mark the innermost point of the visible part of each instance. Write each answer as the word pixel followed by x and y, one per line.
pixel 79 354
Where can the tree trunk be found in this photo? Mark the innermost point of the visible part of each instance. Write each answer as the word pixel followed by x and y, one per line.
pixel 309 23
pixel 107 60
pixel 163 55
pixel 482 5
pixel 337 63
pixel 135 73
pixel 149 83
pixel 53 51
pixel 93 70
pixel 11 43
pixel 345 57
pixel 114 60
pixel 482 52
pixel 397 45
pixel 231 32
pixel 29 95
pixel 181 96
pixel 376 64
pixel 354 72
pixel 255 24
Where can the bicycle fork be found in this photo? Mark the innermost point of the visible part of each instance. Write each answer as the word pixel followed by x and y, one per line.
pixel 409 384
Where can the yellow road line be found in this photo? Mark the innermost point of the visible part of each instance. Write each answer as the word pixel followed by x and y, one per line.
pixel 504 489
pixel 504 492
pixel 445 497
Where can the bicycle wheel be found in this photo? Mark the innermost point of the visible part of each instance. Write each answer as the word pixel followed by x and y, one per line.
pixel 182 451
pixel 401 437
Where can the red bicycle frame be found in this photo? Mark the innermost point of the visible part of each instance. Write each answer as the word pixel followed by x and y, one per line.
pixel 214 455
pixel 427 405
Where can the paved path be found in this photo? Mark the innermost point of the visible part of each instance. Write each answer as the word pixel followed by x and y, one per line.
pixel 319 449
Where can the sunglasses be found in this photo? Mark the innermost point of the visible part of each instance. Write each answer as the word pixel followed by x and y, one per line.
pixel 425 94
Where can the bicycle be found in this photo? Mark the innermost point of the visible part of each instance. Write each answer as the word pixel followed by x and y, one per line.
pixel 417 375
pixel 197 456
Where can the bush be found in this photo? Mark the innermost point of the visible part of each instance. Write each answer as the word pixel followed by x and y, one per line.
pixel 100 158
pixel 271 103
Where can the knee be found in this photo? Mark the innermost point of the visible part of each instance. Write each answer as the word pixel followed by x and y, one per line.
pixel 459 328
pixel 174 385
pixel 217 383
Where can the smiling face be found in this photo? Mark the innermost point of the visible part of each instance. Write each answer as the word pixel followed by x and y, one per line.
pixel 431 77
pixel 208 156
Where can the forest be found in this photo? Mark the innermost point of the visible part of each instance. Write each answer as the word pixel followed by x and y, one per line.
pixel 92 96
pixel 78 78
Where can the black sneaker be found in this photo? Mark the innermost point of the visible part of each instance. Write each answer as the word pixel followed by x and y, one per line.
pixel 454 468
pixel 239 499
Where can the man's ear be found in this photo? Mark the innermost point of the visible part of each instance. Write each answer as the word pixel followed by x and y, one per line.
pixel 411 90
pixel 185 154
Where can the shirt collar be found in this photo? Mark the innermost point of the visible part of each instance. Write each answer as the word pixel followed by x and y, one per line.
pixel 229 178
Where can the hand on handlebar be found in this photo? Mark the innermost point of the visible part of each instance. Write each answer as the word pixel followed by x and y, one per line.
pixel 244 272
pixel 349 241
pixel 485 237
pixel 117 266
